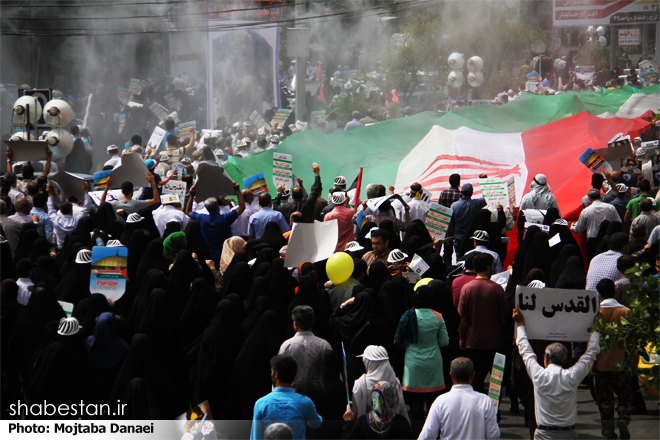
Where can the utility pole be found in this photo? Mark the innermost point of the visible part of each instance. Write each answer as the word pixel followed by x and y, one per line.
pixel 301 71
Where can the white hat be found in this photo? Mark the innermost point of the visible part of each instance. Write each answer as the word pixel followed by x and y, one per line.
pixel 338 198
pixel 560 222
pixel 235 125
pixel 396 256
pixel 274 139
pixel 540 179
pixel 368 236
pixel 480 235
pixel 340 181
pixel 375 353
pixel 134 218
pixel 185 160
pixel 68 326
pixel 112 148
pixel 167 199
pixel 84 256
pixel 136 149
pixel 241 143
pixel 353 246
pixel 621 188
pixel 536 284
pixel 164 157
pixel 113 243
pixel 286 193
pixel 247 140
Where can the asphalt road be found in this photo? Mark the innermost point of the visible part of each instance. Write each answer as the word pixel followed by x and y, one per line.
pixel 642 427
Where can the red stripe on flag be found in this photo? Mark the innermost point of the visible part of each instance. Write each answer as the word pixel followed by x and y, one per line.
pixel 464 159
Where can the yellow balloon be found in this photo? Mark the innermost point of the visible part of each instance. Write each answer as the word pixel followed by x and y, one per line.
pixel 339 267
pixel 423 282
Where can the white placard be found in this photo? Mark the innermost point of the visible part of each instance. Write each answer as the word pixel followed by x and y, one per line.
pixel 283 170
pixel 498 190
pixel 418 265
pixel 311 242
pixel 557 314
pixel 67 307
pixel 555 240
pixel 534 215
pixel 156 138
pixel 545 228
pixel 437 220
pixel 177 187
pixel 112 196
pixel 130 168
pixel 502 278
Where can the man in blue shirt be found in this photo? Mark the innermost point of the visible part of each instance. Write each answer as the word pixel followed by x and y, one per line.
pixel 284 405
pixel 463 214
pixel 258 221
pixel 39 201
pixel 216 227
pixel 355 123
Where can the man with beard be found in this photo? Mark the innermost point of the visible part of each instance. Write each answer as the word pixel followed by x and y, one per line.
pixel 283 404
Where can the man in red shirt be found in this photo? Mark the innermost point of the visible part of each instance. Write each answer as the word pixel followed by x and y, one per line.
pixel 468 275
pixel 483 309
pixel 344 216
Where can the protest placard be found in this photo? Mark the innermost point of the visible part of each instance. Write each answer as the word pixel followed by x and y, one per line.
pixel 177 187
pixel 159 111
pixel 555 240
pixel 502 278
pixel 212 182
pixel 184 130
pixel 311 242
pixel 122 122
pixel 283 170
pixel 134 87
pixel 130 168
pixel 257 184
pixel 544 228
pixel 108 271
pixel 101 180
pixel 172 102
pixel 69 184
pixel 27 150
pixel 257 120
pixel 156 138
pixel 595 162
pixel 122 94
pixel 497 190
pixel 437 220
pixel 111 196
pixel 418 265
pixel 143 84
pixel 534 215
pixel 532 86
pixel 496 376
pixel 67 307
pixel 281 116
pixel 557 314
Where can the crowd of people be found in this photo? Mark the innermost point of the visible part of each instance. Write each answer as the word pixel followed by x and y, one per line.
pixel 211 313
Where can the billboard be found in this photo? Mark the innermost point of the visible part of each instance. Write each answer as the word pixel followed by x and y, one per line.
pixel 604 12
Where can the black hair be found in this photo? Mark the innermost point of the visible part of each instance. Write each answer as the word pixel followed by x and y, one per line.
pixel 285 367
pixel 39 200
pixel 624 263
pixel 639 231
pixel 136 139
pixel 75 131
pixel 646 204
pixel 126 188
pixel 28 171
pixel 296 193
pixel 455 180
pixel 618 241
pixel 644 185
pixel 172 139
pixel 169 124
pixel 382 233
pixel 469 260
pixel 605 288
pixel 597 180
pixel 482 261
pixel 265 199
pixel 66 208
pixel 359 267
pixel 303 316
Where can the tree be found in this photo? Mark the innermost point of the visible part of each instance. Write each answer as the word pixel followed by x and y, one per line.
pixel 639 332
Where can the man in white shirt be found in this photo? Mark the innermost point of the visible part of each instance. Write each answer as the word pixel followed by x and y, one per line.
pixel 15 223
pixel 24 272
pixel 462 413
pixel 555 388
pixel 304 346
pixel 480 241
pixel 591 218
pixel 170 211
pixel 113 151
pixel 66 222
pixel 11 180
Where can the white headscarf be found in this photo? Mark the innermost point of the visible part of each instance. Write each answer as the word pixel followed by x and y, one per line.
pixel 377 371
pixel 540 193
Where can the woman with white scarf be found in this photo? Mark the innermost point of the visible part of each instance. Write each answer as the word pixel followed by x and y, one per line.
pixel 376 362
pixel 540 196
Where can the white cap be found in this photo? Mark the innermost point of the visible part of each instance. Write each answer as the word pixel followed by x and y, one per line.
pixel 235 125
pixel 540 179
pixel 368 236
pixel 353 246
pixel 560 222
pixel 338 198
pixel 247 140
pixel 621 188
pixel 68 326
pixel 164 157
pixel 84 256
pixel 396 256
pixel 134 218
pixel 112 148
pixel 480 235
pixel 113 243
pixel 375 353
pixel 536 284
pixel 274 139
pixel 340 181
